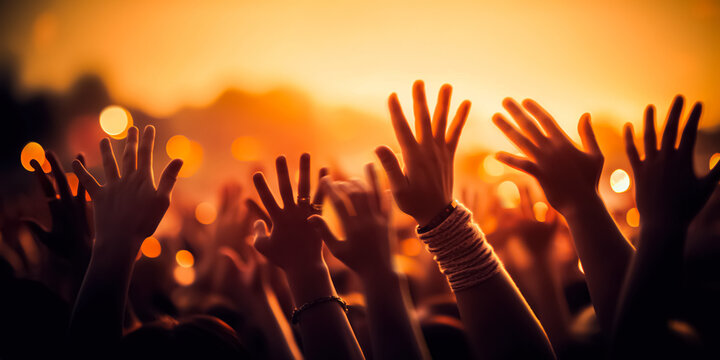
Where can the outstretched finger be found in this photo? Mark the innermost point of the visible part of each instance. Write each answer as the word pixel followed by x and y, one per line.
pixel 526 203
pixel 283 178
pixel 45 184
pixel 265 194
pixel 108 159
pixel 546 120
pixel 515 136
pixel 84 178
pixel 168 178
pixel 518 163
pixel 319 196
pixel 323 230
pixel 456 127
pixel 59 175
pixel 587 135
pixel 423 128
pixel 390 163
pixel 130 154
pixel 630 149
pixel 304 180
pixel 80 189
pixel 145 151
pixel 671 125
pixel 261 240
pixel 687 141
pixel 650 135
pixel 38 231
pixel 525 121
pixel 404 135
pixel 441 113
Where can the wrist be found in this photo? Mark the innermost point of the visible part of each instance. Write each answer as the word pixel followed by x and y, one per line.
pixel 115 249
pixel 582 205
pixel 309 283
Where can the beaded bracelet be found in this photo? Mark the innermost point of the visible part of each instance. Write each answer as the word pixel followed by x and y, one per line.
pixel 296 312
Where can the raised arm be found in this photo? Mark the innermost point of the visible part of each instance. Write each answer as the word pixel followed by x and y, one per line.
pixel 569 176
pixel 368 252
pixel 127 210
pixel 498 320
pixel 294 246
pixel 668 195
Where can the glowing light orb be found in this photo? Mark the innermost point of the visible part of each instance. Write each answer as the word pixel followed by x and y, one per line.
pixel 714 160
pixel 633 217
pixel 178 147
pixel 493 167
pixel 619 181
pixel 245 148
pixel 185 258
pixel 509 194
pixel 184 276
pixel 410 247
pixel 115 121
pixel 540 210
pixel 151 247
pixel 33 151
pixel 205 213
pixel 582 271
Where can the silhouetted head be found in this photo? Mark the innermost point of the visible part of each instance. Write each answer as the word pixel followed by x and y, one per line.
pixel 198 337
pixel 446 338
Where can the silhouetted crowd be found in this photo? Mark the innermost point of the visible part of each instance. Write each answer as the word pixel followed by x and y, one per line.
pixel 398 265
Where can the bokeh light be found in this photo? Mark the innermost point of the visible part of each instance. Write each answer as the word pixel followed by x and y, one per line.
pixel 580 267
pixel 185 258
pixel 540 210
pixel 178 147
pixel 72 181
pixel 714 159
pixel 115 121
pixel 205 213
pixel 619 181
pixel 33 151
pixel 184 276
pixel 633 217
pixel 509 194
pixel 410 247
pixel 151 247
pixel 246 148
pixel 492 166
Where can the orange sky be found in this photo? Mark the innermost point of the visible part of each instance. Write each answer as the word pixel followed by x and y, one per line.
pixel 610 57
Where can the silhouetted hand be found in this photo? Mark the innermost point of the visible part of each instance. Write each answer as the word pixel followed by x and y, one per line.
pixel 426 185
pixel 70 236
pixel 667 189
pixel 366 221
pixel 128 208
pixel 292 244
pixel 567 174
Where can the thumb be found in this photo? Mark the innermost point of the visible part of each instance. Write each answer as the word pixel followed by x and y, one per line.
pixel 261 237
pixel 321 227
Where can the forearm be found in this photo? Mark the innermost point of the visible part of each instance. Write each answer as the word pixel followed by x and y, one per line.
pixel 99 309
pixel 604 253
pixel 395 333
pixel 270 317
pixel 499 322
pixel 651 289
pixel 542 285
pixel 324 328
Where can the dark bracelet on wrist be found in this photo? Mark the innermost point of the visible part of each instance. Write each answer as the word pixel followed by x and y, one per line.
pixel 296 312
pixel 439 218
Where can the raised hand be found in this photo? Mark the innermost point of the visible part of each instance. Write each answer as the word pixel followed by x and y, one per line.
pixel 669 195
pixel 293 244
pixel 70 236
pixel 129 208
pixel 425 187
pixel 568 175
pixel 295 247
pixel 667 190
pixel 366 221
